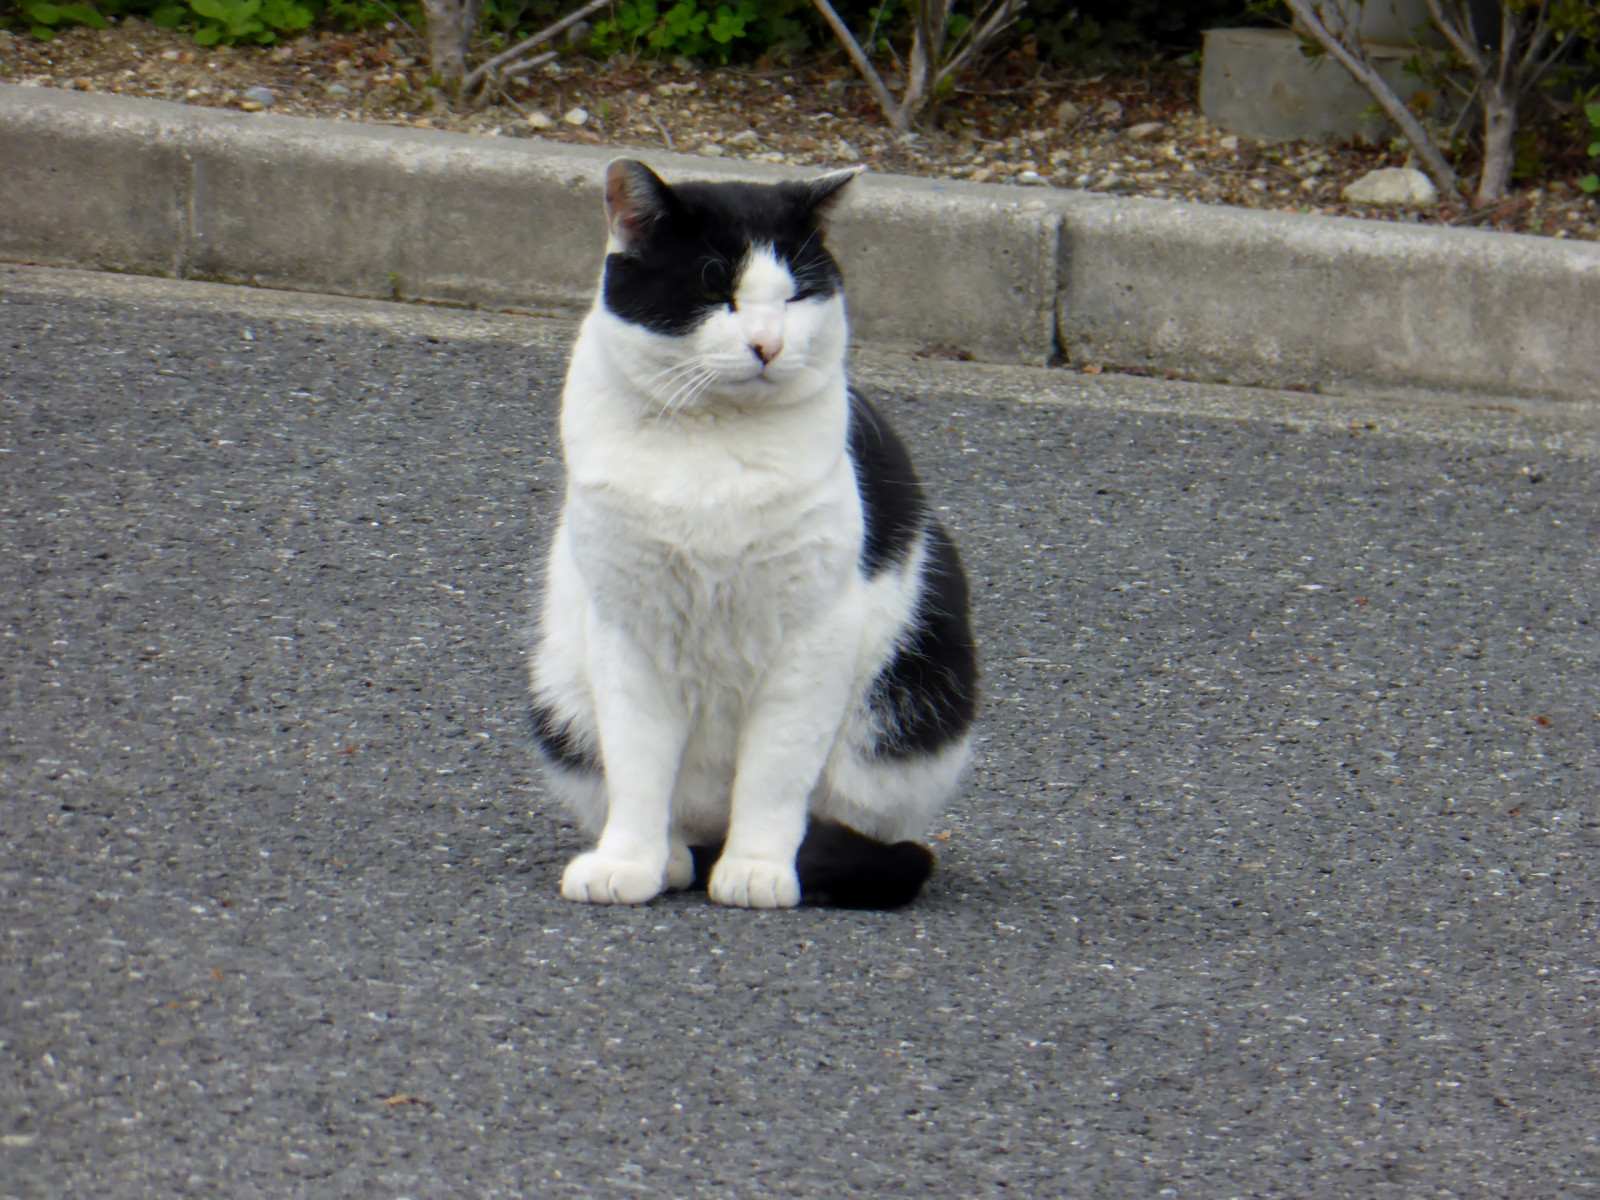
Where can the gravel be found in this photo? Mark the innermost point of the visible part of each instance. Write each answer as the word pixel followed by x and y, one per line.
pixel 1133 132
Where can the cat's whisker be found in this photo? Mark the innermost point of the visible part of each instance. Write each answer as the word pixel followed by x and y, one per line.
pixel 689 388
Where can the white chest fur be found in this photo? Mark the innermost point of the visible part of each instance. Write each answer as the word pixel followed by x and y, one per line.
pixel 710 535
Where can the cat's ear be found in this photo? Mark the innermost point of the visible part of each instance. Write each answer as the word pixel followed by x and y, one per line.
pixel 822 194
pixel 635 198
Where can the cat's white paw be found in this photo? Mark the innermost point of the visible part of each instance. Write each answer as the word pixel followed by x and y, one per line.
pixel 680 868
pixel 754 883
pixel 595 878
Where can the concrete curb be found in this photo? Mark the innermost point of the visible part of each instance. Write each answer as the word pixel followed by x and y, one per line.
pixel 1010 274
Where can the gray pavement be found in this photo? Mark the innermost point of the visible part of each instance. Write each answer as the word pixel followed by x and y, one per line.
pixel 1276 875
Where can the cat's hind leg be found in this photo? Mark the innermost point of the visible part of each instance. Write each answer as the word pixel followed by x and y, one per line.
pixel 680 866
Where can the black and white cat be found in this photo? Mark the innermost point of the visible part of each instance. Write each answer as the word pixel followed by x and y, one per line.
pixel 754 644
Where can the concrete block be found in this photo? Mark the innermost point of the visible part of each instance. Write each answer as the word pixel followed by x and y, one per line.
pixel 383 211
pixel 83 183
pixel 1275 299
pixel 1257 83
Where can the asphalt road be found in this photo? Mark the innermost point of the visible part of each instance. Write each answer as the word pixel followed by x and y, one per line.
pixel 1276 875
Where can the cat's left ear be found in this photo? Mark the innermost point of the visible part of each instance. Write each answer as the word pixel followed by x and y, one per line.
pixel 822 194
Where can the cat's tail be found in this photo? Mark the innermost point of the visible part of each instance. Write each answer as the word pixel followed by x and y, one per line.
pixel 840 868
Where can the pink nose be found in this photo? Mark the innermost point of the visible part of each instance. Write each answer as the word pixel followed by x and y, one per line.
pixel 766 349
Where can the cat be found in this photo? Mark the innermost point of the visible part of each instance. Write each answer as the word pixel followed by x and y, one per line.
pixel 753 665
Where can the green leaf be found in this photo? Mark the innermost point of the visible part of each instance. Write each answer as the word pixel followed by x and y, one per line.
pixel 208 35
pixel 43 32
pixel 168 16
pixel 1592 111
pixel 285 15
pixel 1590 184
pixel 84 15
pixel 727 26
pixel 42 14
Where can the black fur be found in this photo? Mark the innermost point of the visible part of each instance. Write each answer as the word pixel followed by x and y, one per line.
pixel 692 239
pixel 893 506
pixel 926 695
pixel 558 743
pixel 840 868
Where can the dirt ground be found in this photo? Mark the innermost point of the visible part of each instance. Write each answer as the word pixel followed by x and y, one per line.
pixel 1130 132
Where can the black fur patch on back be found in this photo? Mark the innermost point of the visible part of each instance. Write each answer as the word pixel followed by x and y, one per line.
pixel 559 743
pixel 688 257
pixel 926 695
pixel 893 506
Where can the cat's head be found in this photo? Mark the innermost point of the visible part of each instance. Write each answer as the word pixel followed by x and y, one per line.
pixel 722 291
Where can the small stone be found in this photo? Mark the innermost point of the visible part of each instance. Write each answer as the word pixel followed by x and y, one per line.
pixel 1231 142
pixel 845 152
pixel 576 117
pixel 1068 113
pixel 1109 111
pixel 711 150
pixel 265 97
pixel 541 120
pixel 1032 179
pixel 1145 130
pixel 171 55
pixel 748 137
pixel 251 105
pixel 337 90
pixel 1393 185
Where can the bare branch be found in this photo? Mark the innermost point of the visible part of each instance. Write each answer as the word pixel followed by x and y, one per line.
pixel 897 117
pixel 475 80
pixel 1000 18
pixel 1459 40
pixel 1508 43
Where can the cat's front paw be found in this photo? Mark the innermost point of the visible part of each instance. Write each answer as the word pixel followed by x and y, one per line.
pixel 596 878
pixel 754 883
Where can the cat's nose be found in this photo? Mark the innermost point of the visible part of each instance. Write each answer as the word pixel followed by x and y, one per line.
pixel 766 348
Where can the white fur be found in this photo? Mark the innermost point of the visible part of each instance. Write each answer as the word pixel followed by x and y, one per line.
pixel 704 613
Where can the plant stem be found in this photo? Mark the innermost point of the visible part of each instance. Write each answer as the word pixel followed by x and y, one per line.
pixel 476 78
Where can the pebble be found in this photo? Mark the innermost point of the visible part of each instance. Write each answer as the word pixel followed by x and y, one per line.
pixel 337 90
pixel 712 150
pixel 576 117
pixel 1068 113
pixel 1032 179
pixel 748 137
pixel 541 120
pixel 1145 130
pixel 265 97
pixel 1109 111
pixel 1393 185
pixel 1228 143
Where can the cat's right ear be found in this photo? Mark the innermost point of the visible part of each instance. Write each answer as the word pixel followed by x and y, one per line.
pixel 635 198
